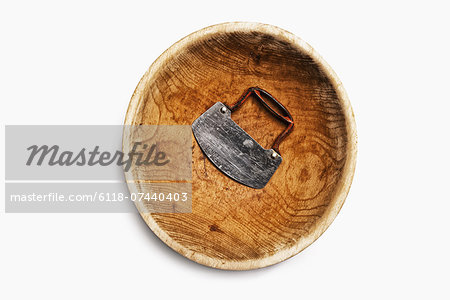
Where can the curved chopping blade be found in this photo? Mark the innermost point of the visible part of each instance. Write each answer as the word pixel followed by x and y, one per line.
pixel 232 150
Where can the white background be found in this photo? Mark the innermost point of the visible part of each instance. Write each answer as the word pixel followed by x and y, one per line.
pixel 79 63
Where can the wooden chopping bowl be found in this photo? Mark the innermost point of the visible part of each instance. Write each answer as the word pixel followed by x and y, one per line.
pixel 232 226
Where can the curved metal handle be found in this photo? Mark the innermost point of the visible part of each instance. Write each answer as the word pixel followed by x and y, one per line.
pixel 284 116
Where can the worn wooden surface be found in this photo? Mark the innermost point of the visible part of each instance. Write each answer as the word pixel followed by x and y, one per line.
pixel 233 226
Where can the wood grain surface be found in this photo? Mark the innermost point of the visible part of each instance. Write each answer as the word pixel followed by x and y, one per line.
pixel 232 226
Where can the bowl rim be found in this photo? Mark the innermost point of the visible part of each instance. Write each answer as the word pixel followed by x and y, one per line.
pixel 342 187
